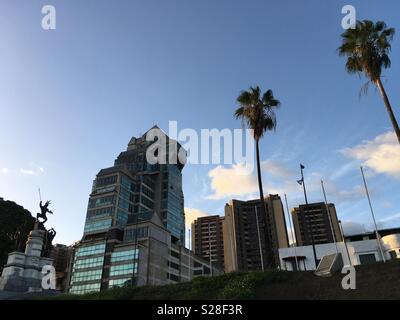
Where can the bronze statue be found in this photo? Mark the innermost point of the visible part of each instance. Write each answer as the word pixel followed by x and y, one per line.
pixel 44 209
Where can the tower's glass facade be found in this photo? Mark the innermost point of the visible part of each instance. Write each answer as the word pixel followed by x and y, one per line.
pixel 129 192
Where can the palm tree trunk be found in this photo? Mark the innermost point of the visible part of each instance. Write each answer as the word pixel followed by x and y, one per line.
pixel 263 205
pixel 396 128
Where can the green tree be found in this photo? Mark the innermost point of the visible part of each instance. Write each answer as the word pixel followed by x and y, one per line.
pixel 258 113
pixel 16 223
pixel 367 48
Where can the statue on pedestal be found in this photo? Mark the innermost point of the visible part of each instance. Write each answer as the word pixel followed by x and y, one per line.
pixel 44 209
pixel 23 271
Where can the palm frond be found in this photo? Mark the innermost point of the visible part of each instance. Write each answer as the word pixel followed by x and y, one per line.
pixel 256 111
pixel 367 48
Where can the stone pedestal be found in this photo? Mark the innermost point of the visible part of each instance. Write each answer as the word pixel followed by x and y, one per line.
pixel 23 271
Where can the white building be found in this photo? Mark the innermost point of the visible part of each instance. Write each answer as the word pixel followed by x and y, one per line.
pixel 358 252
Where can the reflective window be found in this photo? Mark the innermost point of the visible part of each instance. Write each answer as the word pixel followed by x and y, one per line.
pixel 119 282
pixel 88 263
pixel 86 275
pixel 123 269
pixel 100 212
pixel 90 250
pixel 101 182
pixel 85 288
pixel 125 255
pixel 130 234
pixel 101 201
pixel 97 225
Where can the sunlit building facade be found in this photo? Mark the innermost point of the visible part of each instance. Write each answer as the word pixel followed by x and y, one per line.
pixel 134 231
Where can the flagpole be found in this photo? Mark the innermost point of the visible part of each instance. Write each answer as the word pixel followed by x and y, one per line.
pixel 259 240
pixel 291 229
pixel 378 238
pixel 329 216
pixel 344 241
pixel 209 248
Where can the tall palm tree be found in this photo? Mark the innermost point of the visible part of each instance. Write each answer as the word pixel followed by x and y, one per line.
pixel 258 113
pixel 367 48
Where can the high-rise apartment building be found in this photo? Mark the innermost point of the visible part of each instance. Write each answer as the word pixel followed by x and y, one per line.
pixel 251 237
pixel 208 239
pixel 135 226
pixel 312 223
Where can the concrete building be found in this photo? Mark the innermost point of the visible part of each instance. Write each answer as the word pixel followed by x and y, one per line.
pixel 142 253
pixel 135 225
pixel 208 239
pixel 251 243
pixel 313 223
pixel 61 255
pixel 362 250
pixel 390 238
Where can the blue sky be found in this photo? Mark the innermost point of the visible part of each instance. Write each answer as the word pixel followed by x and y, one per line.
pixel 71 98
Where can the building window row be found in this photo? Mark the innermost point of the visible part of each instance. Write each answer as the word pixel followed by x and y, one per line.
pixel 85 288
pixel 132 254
pixel 88 263
pixel 119 282
pixel 173 277
pixel 100 212
pixel 101 182
pixel 90 250
pixel 87 275
pixel 123 269
pixel 97 225
pixel 130 234
pixel 101 201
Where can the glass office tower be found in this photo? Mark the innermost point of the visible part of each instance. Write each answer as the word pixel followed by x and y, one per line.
pixel 131 192
pixel 134 186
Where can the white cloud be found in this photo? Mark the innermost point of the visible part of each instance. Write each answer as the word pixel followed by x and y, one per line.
pixel 276 169
pixel 231 182
pixel 192 214
pixel 381 154
pixel 389 219
pixel 337 194
pixel 350 227
pixel 28 172
pixel 32 170
pixel 4 170
pixel 37 167
pixel 237 181
pixel 344 170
